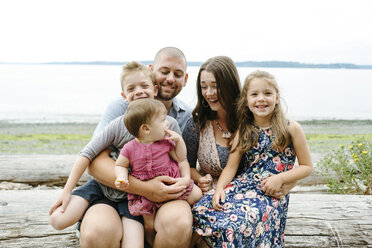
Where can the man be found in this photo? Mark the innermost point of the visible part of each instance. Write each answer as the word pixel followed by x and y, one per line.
pixel 170 74
pixel 101 225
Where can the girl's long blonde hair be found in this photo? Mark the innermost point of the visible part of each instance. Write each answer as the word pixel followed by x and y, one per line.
pixel 281 137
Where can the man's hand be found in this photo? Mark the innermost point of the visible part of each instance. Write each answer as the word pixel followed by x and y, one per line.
pixel 164 188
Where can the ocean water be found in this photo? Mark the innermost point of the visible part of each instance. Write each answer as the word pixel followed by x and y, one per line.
pixel 80 93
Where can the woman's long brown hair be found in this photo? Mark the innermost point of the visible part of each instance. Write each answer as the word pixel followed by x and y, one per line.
pixel 228 92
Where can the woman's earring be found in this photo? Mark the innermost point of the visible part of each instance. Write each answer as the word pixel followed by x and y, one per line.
pixel 204 103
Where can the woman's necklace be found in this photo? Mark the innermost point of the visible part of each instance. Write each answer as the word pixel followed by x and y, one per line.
pixel 225 134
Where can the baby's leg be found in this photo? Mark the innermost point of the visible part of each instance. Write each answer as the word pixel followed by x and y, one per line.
pixel 74 211
pixel 195 195
pixel 149 228
pixel 133 234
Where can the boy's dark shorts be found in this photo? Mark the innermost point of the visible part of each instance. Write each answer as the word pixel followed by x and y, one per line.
pixel 92 192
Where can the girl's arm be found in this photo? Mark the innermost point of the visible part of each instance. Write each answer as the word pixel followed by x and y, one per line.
pixel 179 151
pixel 121 172
pixel 305 165
pixel 227 175
pixel 77 171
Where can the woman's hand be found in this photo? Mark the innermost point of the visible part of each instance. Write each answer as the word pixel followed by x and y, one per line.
pixel 205 183
pixel 219 196
pixel 62 200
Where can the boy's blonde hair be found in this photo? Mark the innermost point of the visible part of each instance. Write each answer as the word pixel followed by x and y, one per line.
pixel 142 111
pixel 248 134
pixel 132 67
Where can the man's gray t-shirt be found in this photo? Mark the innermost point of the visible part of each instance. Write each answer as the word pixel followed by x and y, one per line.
pixel 115 135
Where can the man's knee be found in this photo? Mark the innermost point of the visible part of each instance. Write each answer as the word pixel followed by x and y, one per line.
pixel 175 219
pixel 99 237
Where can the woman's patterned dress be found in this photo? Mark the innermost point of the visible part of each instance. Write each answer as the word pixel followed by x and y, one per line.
pixel 249 217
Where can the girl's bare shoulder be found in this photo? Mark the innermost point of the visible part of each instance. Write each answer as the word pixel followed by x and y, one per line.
pixel 294 127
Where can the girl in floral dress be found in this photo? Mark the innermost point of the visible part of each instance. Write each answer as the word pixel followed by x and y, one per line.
pixel 240 212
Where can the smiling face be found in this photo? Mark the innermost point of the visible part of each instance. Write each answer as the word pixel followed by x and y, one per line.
pixel 170 76
pixel 209 90
pixel 138 85
pixel 262 99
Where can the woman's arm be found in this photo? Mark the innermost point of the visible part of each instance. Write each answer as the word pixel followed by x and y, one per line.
pixel 190 136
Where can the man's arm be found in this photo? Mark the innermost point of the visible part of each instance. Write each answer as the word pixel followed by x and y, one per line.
pixel 157 189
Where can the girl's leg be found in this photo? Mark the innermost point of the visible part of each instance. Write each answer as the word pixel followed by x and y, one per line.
pixel 101 227
pixel 195 195
pixel 149 228
pixel 133 234
pixel 74 211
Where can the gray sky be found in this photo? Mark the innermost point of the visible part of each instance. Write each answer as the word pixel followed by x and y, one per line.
pixel 316 31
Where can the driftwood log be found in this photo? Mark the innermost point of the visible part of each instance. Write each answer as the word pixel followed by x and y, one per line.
pixel 53 170
pixel 314 219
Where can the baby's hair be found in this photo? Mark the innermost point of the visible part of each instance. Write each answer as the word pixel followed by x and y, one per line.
pixel 248 134
pixel 132 67
pixel 142 111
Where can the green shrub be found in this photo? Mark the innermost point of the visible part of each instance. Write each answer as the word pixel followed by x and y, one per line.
pixel 348 169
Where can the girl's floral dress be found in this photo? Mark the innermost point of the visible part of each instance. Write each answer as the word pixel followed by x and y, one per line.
pixel 249 217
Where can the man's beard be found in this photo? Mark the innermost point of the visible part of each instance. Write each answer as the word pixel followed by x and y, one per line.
pixel 169 96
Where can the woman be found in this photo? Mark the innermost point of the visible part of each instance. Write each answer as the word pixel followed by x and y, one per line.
pixel 207 134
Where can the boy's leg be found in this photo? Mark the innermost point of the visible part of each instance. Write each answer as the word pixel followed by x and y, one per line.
pixel 74 211
pixel 173 225
pixel 101 227
pixel 133 233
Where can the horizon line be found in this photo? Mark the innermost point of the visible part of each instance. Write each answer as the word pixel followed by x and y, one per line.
pixel 247 63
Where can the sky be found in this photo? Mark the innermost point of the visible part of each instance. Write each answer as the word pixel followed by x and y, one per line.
pixel 314 31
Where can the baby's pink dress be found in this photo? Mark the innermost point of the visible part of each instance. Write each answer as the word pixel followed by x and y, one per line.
pixel 146 162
